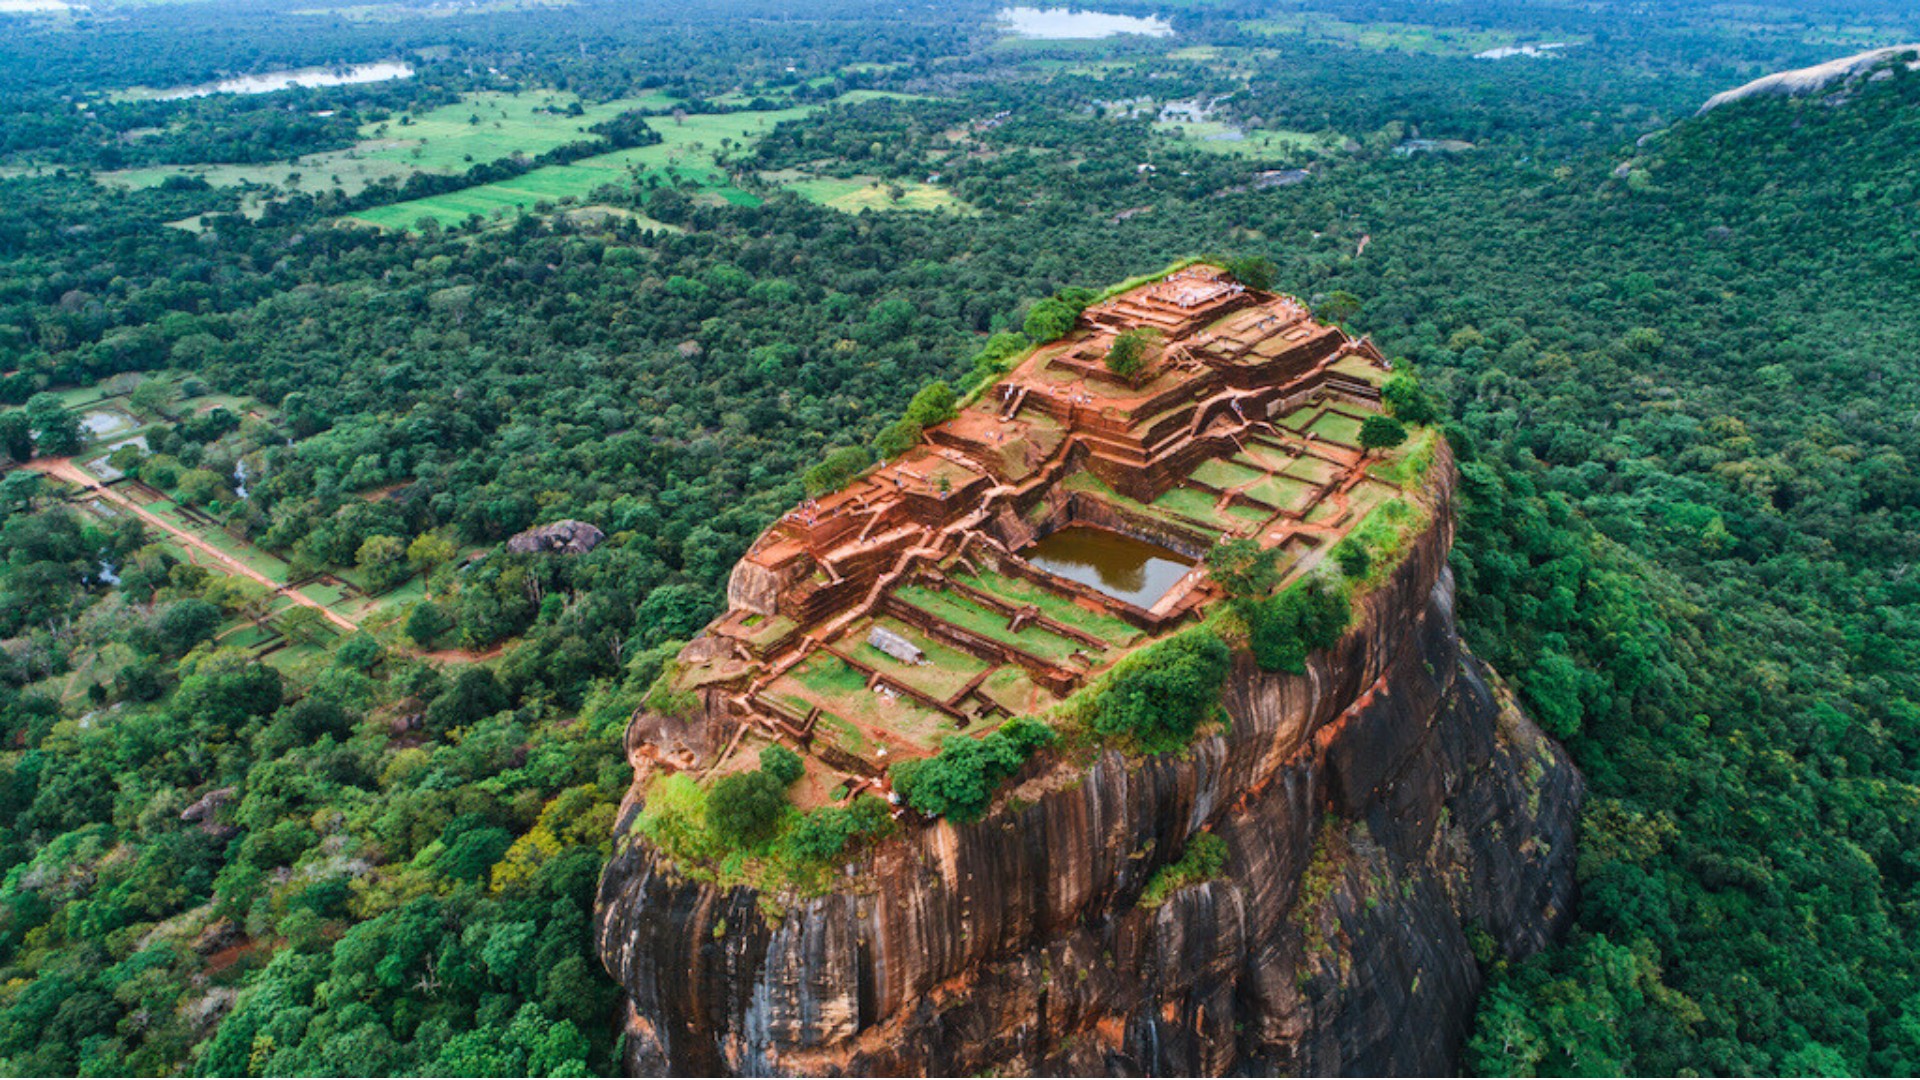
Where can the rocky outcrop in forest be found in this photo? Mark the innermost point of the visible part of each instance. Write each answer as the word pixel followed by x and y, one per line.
pixel 1391 818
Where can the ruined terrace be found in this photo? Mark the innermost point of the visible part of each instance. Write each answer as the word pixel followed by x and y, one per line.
pixel 1053 526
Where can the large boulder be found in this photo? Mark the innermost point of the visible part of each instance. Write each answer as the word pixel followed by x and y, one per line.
pixel 568 537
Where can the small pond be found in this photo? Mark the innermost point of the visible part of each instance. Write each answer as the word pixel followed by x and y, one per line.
pixel 1066 23
pixel 1136 571
pixel 101 423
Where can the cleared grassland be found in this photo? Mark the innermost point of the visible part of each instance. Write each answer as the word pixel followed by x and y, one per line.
pixel 490 125
pixel 480 127
pixel 854 194
pixel 686 152
pixel 1382 36
pixel 1227 139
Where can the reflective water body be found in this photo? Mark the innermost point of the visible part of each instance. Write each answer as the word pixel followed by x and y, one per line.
pixel 1064 23
pixel 280 80
pixel 1120 566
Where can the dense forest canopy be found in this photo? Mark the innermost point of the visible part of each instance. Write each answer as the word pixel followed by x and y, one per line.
pixel 354 825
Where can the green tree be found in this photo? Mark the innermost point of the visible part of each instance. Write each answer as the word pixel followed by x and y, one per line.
pixel 1158 695
pixel 57 431
pixel 1050 319
pixel 782 764
pixel 1310 615
pixel 744 808
pixel 959 781
pixel 384 560
pixel 1379 432
pixel 16 435
pixel 1128 353
pixel 426 622
pixel 1407 400
pixel 1243 568
pixel 832 474
pixel 1253 271
pixel 153 396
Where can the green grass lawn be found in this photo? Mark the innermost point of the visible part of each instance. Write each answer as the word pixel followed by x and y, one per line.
pixel 1056 607
pixel 948 669
pixel 842 734
pixel 824 674
pixel 1312 469
pixel 1189 502
pixel 968 615
pixel 1298 419
pixel 1338 427
pixel 1282 492
pixel 246 636
pixel 1224 474
pixel 1014 690
pixel 1261 456
pixel 840 690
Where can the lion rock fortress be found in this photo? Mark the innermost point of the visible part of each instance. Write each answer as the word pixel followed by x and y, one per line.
pixel 1307 883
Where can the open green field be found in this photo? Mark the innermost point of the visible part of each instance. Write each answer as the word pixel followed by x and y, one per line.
pixel 480 127
pixel 1382 36
pixel 1221 138
pixel 490 125
pixel 687 152
pixel 854 194
pixel 1263 456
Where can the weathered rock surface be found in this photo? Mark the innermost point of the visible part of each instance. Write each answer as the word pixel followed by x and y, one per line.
pixel 566 537
pixel 1381 813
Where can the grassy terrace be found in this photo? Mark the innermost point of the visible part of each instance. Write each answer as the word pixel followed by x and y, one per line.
pixel 1014 690
pixel 1281 492
pixel 970 616
pixel 946 672
pixel 1264 455
pixel 1224 475
pixel 1337 427
pixel 1313 470
pixel 823 680
pixel 1161 510
pixel 1059 608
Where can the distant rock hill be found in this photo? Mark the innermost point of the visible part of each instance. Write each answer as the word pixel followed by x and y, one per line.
pixel 1873 64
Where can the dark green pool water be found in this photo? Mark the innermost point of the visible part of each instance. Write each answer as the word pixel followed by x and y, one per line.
pixel 1120 566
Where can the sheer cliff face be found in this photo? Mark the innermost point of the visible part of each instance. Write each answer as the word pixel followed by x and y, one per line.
pixel 1381 812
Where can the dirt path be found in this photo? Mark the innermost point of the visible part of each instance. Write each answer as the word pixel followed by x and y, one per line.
pixel 461 656
pixel 65 469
